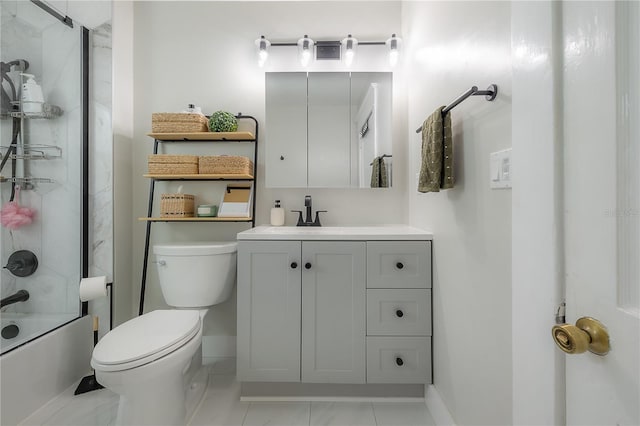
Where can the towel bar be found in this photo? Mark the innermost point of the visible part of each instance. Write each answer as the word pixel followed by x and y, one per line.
pixel 490 94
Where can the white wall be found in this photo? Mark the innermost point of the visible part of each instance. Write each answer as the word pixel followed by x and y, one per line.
pixel 450 47
pixel 203 53
pixel 123 298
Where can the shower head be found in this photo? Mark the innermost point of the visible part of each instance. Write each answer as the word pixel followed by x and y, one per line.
pixel 5 67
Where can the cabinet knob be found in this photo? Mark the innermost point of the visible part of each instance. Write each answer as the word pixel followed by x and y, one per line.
pixel 399 313
pixel 399 362
pixel 307 265
pixel 294 265
pixel 399 265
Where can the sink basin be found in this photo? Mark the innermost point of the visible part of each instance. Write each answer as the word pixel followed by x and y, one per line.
pixel 382 232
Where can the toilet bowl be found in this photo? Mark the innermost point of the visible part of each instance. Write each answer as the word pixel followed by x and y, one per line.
pixel 154 361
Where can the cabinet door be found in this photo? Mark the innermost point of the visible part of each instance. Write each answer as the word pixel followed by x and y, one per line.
pixel 269 292
pixel 329 128
pixel 333 306
pixel 286 131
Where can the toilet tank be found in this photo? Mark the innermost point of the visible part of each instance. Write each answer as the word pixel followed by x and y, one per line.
pixel 196 275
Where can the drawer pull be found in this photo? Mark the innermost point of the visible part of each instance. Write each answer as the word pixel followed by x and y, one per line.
pixel 399 313
pixel 307 265
pixel 399 362
pixel 399 265
pixel 294 265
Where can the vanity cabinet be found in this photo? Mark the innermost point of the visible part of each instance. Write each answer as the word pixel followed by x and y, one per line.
pixel 398 312
pixel 334 311
pixel 301 311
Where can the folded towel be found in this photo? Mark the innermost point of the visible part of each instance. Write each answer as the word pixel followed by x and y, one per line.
pixel 436 169
pixel 379 173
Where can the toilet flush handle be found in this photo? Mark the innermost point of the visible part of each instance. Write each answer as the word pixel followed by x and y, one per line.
pixel 159 262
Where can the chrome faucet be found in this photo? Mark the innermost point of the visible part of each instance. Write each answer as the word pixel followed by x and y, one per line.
pixel 18 296
pixel 309 213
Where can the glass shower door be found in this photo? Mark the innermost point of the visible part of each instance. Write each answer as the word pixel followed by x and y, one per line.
pixel 41 184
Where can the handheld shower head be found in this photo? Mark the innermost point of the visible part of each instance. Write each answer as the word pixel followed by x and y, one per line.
pixel 22 64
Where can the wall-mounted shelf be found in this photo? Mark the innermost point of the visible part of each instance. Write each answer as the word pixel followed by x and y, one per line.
pixel 200 177
pixel 28 180
pixel 35 152
pixel 47 111
pixel 204 136
pixel 195 219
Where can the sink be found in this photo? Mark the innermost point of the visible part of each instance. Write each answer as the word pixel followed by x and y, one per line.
pixel 382 232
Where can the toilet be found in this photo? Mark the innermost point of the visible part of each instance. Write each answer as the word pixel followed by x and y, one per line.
pixel 154 361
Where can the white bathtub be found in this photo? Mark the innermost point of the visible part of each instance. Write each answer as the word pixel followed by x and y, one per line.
pixel 39 370
pixel 30 326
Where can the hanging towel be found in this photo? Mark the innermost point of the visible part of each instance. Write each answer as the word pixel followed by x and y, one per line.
pixel 379 173
pixel 436 169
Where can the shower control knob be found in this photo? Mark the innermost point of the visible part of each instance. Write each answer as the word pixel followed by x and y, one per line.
pixel 22 263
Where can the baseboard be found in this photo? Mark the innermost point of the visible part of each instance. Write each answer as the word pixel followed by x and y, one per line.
pixel 288 391
pixel 437 407
pixel 218 346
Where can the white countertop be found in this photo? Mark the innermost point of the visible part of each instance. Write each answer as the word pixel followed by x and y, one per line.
pixel 335 233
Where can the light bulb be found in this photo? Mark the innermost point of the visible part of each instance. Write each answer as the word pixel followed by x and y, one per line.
pixel 263 50
pixel 394 44
pixel 349 45
pixel 305 47
pixel 393 57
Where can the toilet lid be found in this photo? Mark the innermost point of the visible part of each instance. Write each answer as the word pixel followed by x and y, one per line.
pixel 155 333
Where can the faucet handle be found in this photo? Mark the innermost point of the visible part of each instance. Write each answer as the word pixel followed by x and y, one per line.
pixel 300 221
pixel 317 221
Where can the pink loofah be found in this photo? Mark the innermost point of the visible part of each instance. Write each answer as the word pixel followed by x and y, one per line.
pixel 13 216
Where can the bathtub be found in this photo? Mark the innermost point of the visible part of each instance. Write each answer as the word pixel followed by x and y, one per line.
pixel 35 372
pixel 28 327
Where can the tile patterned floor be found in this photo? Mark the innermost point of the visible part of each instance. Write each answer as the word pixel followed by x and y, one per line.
pixel 221 406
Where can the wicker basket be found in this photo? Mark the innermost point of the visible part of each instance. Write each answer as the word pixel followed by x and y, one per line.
pixel 183 122
pixel 225 164
pixel 177 205
pixel 167 164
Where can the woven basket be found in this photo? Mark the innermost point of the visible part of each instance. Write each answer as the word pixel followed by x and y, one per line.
pixel 167 164
pixel 183 122
pixel 225 164
pixel 177 205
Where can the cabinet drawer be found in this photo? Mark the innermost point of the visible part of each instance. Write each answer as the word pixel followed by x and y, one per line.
pixel 398 360
pixel 399 264
pixel 399 312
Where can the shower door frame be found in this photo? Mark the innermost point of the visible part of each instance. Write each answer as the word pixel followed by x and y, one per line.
pixel 84 184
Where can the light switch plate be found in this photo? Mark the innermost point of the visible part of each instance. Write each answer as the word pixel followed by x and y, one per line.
pixel 500 169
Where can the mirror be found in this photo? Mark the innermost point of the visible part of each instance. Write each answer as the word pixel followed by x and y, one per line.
pixel 328 129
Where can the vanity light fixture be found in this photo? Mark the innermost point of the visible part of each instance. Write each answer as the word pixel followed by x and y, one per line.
pixel 394 49
pixel 305 50
pixel 263 50
pixel 349 45
pixel 330 50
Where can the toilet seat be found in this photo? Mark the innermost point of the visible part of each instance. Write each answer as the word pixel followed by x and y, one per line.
pixel 145 339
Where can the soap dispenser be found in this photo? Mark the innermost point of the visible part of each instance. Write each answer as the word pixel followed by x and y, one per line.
pixel 31 95
pixel 277 215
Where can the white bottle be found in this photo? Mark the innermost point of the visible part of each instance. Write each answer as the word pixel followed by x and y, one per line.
pixel 277 215
pixel 31 96
pixel 194 109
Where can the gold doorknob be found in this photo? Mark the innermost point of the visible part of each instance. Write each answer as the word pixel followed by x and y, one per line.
pixel 587 334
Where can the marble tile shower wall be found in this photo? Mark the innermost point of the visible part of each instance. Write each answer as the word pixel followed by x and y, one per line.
pixel 54 237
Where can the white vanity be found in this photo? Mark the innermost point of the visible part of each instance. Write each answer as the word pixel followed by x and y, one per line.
pixel 339 305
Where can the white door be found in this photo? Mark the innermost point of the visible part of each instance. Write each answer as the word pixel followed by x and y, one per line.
pixel 602 193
